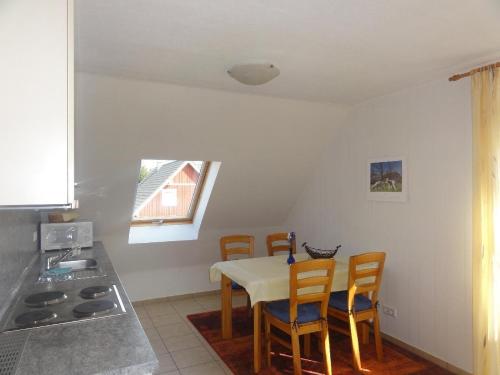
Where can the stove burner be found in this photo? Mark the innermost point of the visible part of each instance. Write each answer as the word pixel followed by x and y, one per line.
pixel 34 318
pixel 94 308
pixel 95 292
pixel 44 299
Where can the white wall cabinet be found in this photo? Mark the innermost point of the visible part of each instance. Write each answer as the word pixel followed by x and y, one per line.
pixel 36 102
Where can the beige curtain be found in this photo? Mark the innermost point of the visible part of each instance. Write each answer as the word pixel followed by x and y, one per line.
pixel 486 221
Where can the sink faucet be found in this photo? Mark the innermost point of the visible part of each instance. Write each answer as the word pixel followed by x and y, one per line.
pixel 52 262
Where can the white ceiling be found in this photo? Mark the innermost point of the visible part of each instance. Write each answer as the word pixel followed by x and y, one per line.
pixel 341 51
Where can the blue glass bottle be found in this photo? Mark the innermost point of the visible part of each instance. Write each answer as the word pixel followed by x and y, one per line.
pixel 291 238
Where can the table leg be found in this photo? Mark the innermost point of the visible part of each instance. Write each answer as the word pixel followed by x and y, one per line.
pixel 365 333
pixel 226 308
pixel 257 337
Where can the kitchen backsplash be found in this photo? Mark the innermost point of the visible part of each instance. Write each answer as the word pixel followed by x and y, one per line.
pixel 16 248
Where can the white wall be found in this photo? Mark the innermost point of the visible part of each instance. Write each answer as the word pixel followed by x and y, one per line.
pixel 173 268
pixel 268 148
pixel 428 272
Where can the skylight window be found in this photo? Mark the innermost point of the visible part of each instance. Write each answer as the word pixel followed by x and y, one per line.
pixel 168 191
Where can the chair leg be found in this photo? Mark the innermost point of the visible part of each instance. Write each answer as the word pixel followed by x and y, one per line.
pixel 307 345
pixel 325 340
pixel 267 339
pixel 354 343
pixel 378 339
pixel 297 370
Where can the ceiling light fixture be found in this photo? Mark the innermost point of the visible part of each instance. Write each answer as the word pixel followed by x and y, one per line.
pixel 254 74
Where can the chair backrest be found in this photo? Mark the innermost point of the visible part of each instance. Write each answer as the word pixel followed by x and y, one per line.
pixel 318 284
pixel 365 278
pixel 236 244
pixel 276 242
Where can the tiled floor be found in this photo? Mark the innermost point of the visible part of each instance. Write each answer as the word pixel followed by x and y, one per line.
pixel 178 345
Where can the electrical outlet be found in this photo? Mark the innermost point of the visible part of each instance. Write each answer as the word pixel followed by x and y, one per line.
pixel 390 311
pixel 35 236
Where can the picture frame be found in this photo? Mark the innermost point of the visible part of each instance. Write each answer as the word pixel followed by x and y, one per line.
pixel 387 179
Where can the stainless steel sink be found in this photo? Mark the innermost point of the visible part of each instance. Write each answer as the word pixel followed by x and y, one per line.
pixel 79 264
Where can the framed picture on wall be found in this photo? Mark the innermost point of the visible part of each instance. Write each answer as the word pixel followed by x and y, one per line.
pixel 387 179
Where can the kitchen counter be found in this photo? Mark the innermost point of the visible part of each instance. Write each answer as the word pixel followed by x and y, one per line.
pixel 108 345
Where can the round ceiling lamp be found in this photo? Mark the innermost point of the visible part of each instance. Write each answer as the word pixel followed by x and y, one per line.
pixel 254 74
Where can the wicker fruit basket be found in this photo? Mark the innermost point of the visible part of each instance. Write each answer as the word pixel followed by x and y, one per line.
pixel 319 253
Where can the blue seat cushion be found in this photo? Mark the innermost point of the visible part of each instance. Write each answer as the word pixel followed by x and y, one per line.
pixel 235 285
pixel 338 300
pixel 306 312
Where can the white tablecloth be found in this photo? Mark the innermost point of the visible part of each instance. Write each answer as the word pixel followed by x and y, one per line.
pixel 267 278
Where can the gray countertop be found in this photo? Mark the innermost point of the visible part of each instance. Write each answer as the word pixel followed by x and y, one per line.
pixel 109 345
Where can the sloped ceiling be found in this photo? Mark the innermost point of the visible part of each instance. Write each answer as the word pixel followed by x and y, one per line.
pixel 268 148
pixel 342 51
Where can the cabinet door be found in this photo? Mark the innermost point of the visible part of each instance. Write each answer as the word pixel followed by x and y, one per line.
pixel 34 103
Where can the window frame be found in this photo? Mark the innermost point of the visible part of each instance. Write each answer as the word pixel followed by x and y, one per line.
pixel 193 207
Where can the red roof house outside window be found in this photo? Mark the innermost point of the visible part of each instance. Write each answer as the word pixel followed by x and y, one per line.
pixel 169 191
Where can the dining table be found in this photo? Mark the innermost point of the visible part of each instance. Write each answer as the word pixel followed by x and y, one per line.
pixel 265 279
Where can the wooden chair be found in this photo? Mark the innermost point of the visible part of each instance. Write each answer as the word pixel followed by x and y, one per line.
pixel 275 243
pixel 358 305
pixel 239 244
pixel 304 313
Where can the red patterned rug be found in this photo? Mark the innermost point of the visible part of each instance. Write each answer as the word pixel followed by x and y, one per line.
pixel 237 352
